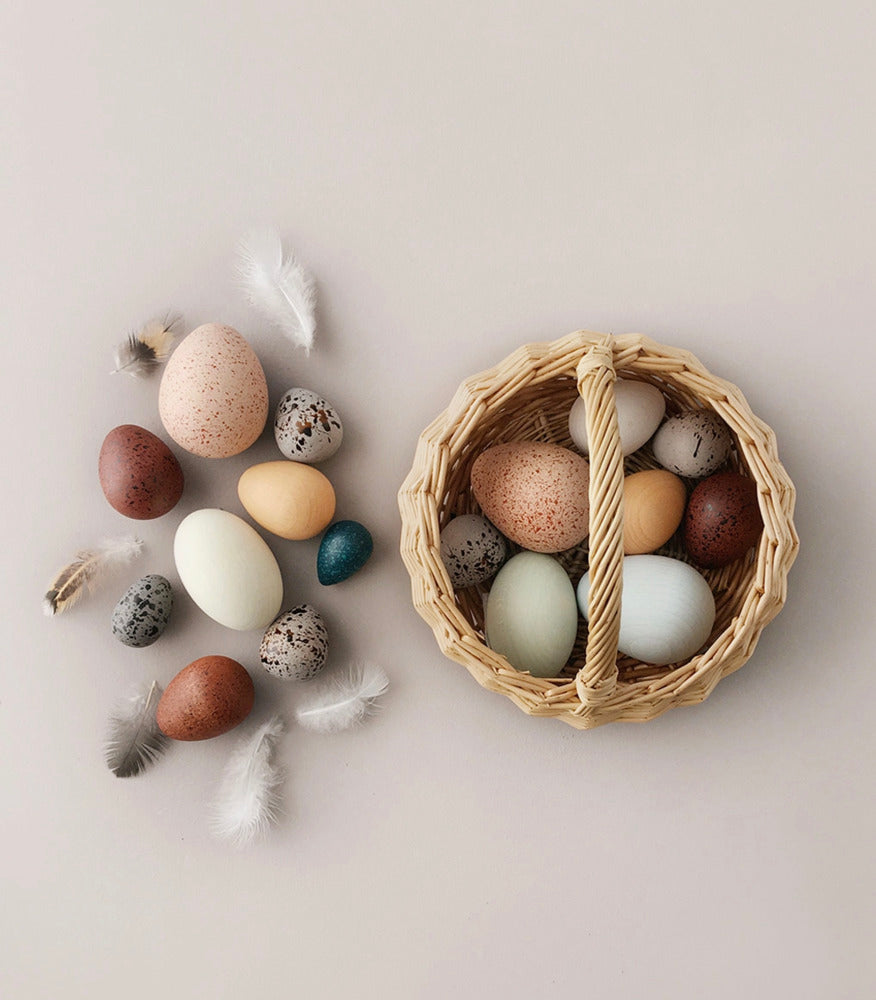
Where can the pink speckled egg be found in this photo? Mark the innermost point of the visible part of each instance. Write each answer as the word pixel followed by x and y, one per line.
pixel 535 493
pixel 213 399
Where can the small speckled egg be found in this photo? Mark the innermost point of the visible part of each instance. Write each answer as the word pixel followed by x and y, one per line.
pixel 693 444
pixel 139 475
pixel 295 646
pixel 290 499
pixel 143 611
pixel 531 615
pixel 472 550
pixel 307 427
pixel 654 503
pixel 345 548
pixel 723 519
pixel 213 397
pixel 210 696
pixel 535 493
pixel 667 609
pixel 640 407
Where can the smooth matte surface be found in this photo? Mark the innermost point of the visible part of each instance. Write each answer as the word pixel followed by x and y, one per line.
pixel 461 178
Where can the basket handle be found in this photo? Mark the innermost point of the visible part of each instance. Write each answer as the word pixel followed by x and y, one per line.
pixel 597 679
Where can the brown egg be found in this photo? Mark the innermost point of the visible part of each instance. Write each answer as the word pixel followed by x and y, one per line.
pixel 290 499
pixel 535 493
pixel 139 474
pixel 653 508
pixel 207 698
pixel 723 519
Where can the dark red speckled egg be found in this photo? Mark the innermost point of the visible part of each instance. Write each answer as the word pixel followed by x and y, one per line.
pixel 722 521
pixel 207 698
pixel 139 475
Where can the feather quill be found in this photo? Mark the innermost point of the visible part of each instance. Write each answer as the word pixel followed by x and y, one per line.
pixel 134 740
pixel 340 702
pixel 248 800
pixel 142 352
pixel 86 570
pixel 278 286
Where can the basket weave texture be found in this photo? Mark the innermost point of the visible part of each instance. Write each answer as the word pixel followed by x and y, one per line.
pixel 527 397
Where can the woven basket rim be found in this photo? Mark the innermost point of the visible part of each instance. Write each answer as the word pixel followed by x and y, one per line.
pixel 442 446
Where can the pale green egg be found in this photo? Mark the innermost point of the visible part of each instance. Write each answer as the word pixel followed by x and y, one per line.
pixel 532 614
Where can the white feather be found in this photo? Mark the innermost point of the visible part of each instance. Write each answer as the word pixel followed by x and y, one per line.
pixel 135 741
pixel 278 286
pixel 248 800
pixel 340 702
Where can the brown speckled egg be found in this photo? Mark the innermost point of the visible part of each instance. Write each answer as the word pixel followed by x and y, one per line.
pixel 535 493
pixel 723 519
pixel 207 698
pixel 213 398
pixel 139 474
pixel 653 508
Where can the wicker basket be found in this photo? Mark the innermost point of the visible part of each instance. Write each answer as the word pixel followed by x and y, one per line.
pixel 528 397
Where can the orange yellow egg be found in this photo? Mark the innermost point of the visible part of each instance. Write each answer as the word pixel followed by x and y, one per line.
pixel 654 503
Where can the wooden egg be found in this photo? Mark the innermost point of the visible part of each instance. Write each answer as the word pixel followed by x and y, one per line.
pixel 290 499
pixel 653 508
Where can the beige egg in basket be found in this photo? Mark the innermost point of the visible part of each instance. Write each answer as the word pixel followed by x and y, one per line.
pixel 528 397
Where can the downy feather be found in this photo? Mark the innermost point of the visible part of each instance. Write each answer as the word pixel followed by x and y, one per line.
pixel 86 570
pixel 141 353
pixel 278 286
pixel 340 702
pixel 248 800
pixel 134 740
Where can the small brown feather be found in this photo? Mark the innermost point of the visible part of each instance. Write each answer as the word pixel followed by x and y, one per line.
pixel 85 571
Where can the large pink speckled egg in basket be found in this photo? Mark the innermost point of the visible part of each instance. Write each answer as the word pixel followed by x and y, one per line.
pixel 213 399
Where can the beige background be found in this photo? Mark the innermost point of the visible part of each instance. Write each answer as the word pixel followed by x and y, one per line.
pixel 461 177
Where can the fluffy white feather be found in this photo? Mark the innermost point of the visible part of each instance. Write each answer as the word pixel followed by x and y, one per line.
pixel 248 800
pixel 340 702
pixel 278 286
pixel 134 740
pixel 86 570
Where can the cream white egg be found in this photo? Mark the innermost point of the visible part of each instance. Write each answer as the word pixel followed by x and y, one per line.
pixel 227 569
pixel 640 408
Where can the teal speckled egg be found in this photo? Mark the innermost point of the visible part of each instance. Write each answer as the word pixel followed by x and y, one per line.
pixel 345 548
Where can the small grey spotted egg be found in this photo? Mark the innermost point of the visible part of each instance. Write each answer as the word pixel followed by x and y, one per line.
pixel 695 443
pixel 295 645
pixel 472 550
pixel 307 427
pixel 143 611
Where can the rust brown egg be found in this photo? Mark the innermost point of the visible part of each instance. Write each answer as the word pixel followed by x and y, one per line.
pixel 210 696
pixel 139 475
pixel 723 520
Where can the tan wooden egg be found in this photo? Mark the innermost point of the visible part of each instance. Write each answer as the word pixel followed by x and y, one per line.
pixel 290 499
pixel 654 503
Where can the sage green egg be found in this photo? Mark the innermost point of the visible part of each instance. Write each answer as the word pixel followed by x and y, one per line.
pixel 532 614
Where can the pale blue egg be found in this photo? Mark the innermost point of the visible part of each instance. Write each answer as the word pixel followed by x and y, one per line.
pixel 532 614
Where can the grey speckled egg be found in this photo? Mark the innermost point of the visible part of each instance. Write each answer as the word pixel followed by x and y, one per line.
pixel 143 611
pixel 695 443
pixel 295 645
pixel 472 550
pixel 307 427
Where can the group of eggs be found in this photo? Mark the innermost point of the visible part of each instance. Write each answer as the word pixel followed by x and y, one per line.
pixel 213 402
pixel 536 495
